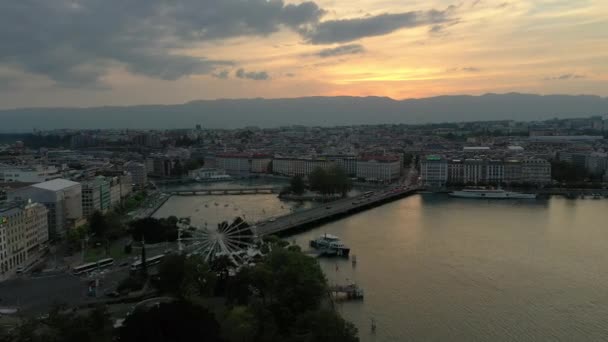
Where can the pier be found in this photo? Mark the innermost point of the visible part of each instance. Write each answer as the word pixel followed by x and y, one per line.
pixel 227 191
pixel 331 211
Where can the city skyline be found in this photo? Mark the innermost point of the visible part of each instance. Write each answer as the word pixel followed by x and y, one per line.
pixel 102 53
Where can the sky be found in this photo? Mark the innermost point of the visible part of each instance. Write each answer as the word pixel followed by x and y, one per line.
pixel 124 52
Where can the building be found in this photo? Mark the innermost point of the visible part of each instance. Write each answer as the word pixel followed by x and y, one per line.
pixel 234 163
pixel 291 166
pixel 287 166
pixel 28 174
pixel 97 196
pixel 160 166
pixel 383 169
pixel 260 163
pixel 62 198
pixel 437 171
pixel 138 171
pixel 24 236
pixel 347 162
pixel 512 172
pixel 434 171
pixel 536 171
pixel 595 163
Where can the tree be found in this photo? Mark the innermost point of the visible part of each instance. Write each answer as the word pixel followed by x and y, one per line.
pixel 178 321
pixel 154 230
pixel 297 185
pixel 567 172
pixel 239 325
pixel 317 179
pixel 186 277
pixel 325 326
pixel 330 181
pixel 62 325
pixel 98 225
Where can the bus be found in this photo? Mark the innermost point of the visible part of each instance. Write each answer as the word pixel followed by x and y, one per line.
pixel 92 266
pixel 136 266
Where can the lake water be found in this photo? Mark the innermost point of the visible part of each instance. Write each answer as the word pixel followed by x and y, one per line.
pixel 440 269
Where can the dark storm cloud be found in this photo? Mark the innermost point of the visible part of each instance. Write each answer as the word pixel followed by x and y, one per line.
pixel 564 77
pixel 349 49
pixel 75 42
pixel 252 75
pixel 346 30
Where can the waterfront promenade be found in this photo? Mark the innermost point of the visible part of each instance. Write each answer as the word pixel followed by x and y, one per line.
pixel 330 211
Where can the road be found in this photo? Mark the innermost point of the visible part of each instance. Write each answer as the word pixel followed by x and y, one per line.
pixel 339 207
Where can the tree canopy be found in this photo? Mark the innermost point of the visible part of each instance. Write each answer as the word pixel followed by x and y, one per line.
pixel 296 185
pixel 333 180
pixel 185 277
pixel 154 230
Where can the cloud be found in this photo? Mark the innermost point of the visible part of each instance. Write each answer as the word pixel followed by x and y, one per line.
pixel 252 75
pixel 349 49
pixel 346 30
pixel 464 69
pixel 564 77
pixel 221 75
pixel 76 42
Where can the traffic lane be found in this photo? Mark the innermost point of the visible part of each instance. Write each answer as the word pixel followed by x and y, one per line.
pixel 37 295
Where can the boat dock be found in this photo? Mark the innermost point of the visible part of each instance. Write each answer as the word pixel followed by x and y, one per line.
pixel 346 292
pixel 331 211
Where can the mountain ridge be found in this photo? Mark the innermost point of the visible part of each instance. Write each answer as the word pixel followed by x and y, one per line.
pixel 310 111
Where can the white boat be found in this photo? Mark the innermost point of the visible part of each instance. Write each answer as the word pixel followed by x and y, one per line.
pixel 330 245
pixel 491 194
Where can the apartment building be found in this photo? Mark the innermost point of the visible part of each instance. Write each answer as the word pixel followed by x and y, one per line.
pixel 23 236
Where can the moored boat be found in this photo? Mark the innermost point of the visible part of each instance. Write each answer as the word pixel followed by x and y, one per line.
pixel 490 194
pixel 330 245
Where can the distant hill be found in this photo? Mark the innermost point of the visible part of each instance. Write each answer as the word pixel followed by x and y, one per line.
pixel 322 111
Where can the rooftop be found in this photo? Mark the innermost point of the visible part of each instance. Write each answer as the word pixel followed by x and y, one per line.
pixel 55 184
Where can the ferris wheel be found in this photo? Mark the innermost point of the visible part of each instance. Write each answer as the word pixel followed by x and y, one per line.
pixel 235 239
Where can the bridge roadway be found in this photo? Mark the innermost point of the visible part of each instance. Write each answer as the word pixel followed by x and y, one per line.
pixel 331 210
pixel 226 191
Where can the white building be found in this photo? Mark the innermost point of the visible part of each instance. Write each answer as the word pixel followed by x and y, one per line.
pixel 63 199
pixel 23 236
pixel 383 169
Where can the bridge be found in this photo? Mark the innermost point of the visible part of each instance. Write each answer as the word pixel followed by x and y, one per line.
pixel 227 191
pixel 331 211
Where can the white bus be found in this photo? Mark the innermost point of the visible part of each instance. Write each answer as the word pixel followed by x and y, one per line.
pixel 92 266
pixel 136 266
